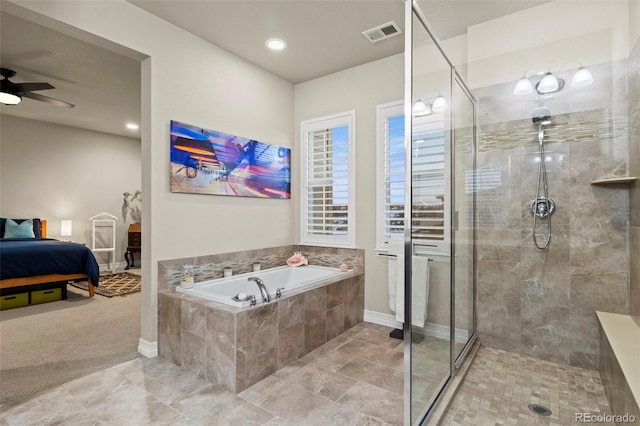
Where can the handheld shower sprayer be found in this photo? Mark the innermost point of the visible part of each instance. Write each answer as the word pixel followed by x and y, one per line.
pixel 542 206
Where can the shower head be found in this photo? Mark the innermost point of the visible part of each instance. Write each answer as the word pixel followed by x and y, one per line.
pixel 541 115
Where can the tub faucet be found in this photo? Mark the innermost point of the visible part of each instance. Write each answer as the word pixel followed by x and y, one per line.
pixel 263 289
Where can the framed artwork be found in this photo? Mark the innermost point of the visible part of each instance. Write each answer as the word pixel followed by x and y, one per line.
pixel 207 161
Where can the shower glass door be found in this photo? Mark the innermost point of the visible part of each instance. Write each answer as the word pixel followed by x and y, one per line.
pixel 430 233
pixel 439 244
pixel 463 184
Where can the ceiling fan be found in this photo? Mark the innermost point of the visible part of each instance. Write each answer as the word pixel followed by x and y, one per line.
pixel 12 93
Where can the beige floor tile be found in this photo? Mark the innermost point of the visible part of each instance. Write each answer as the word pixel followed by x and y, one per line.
pixel 317 380
pixel 355 379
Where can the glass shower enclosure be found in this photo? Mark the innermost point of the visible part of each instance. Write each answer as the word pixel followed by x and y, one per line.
pixel 439 327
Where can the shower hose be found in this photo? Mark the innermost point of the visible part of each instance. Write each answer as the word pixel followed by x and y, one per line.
pixel 542 204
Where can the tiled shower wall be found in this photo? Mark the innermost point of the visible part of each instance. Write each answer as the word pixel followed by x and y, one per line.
pixel 542 303
pixel 634 170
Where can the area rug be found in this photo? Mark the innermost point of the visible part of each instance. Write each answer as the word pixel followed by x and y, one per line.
pixel 118 284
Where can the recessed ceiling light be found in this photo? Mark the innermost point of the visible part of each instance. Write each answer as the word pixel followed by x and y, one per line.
pixel 275 44
pixel 132 126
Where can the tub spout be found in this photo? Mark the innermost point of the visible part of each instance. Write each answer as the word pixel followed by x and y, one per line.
pixel 263 289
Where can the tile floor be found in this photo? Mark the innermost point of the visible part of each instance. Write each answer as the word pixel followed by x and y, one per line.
pixel 500 385
pixel 355 379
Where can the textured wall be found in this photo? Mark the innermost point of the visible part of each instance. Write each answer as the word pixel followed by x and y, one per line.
pixel 542 303
pixel 634 170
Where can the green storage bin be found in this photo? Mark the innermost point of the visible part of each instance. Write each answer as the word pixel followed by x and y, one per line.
pixel 14 301
pixel 44 296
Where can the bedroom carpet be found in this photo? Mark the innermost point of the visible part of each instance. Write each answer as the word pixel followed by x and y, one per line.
pixel 118 284
pixel 45 345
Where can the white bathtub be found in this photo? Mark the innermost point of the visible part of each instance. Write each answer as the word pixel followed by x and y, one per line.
pixel 286 278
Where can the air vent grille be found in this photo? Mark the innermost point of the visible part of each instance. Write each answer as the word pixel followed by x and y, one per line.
pixel 382 32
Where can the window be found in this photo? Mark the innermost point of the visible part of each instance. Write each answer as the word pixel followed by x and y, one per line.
pixel 429 217
pixel 328 193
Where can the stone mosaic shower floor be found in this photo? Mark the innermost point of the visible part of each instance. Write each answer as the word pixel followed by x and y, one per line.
pixel 500 385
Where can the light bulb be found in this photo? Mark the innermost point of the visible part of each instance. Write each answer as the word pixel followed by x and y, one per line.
pixel 420 108
pixel 523 87
pixel 275 44
pixel 440 104
pixel 548 84
pixel 9 98
pixel 582 78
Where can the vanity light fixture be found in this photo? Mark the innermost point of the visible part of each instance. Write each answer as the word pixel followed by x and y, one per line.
pixel 132 126
pixel 582 77
pixel 523 86
pixel 276 44
pixel 440 104
pixel 420 109
pixel 549 83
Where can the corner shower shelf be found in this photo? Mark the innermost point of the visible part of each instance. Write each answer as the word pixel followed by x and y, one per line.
pixel 611 181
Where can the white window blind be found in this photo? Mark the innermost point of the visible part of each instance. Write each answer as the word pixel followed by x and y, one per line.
pixel 328 206
pixel 429 206
pixel 428 178
pixel 390 183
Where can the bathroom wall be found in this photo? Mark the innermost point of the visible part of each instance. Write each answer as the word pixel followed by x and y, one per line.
pixel 361 89
pixel 542 303
pixel 634 160
pixel 231 95
pixel 66 173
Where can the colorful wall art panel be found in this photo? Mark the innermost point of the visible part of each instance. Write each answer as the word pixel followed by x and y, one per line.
pixel 212 162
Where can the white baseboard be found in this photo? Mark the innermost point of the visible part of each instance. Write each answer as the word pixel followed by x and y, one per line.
pixel 147 348
pixel 382 319
pixel 430 329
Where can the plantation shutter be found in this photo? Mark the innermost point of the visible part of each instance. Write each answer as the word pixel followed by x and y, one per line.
pixel 428 213
pixel 393 210
pixel 428 176
pixel 328 205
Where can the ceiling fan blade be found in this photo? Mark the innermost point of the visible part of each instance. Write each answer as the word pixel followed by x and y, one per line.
pixel 30 87
pixel 47 99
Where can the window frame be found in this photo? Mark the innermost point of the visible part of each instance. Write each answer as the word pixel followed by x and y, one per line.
pixel 348 119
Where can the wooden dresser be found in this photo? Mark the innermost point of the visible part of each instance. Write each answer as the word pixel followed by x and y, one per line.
pixel 134 244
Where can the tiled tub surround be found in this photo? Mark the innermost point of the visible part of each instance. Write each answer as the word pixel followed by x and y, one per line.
pixel 542 303
pixel 237 347
pixel 211 266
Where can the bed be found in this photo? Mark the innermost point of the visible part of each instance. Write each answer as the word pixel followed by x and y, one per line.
pixel 28 262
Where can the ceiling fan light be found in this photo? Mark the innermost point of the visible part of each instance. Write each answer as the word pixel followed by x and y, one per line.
pixel 582 78
pixel 548 84
pixel 8 98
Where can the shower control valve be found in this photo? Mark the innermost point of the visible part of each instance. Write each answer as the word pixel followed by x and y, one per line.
pixel 542 207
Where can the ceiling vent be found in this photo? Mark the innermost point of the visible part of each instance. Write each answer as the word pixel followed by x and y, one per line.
pixel 382 32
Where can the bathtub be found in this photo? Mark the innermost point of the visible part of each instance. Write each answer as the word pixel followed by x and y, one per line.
pixel 289 280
